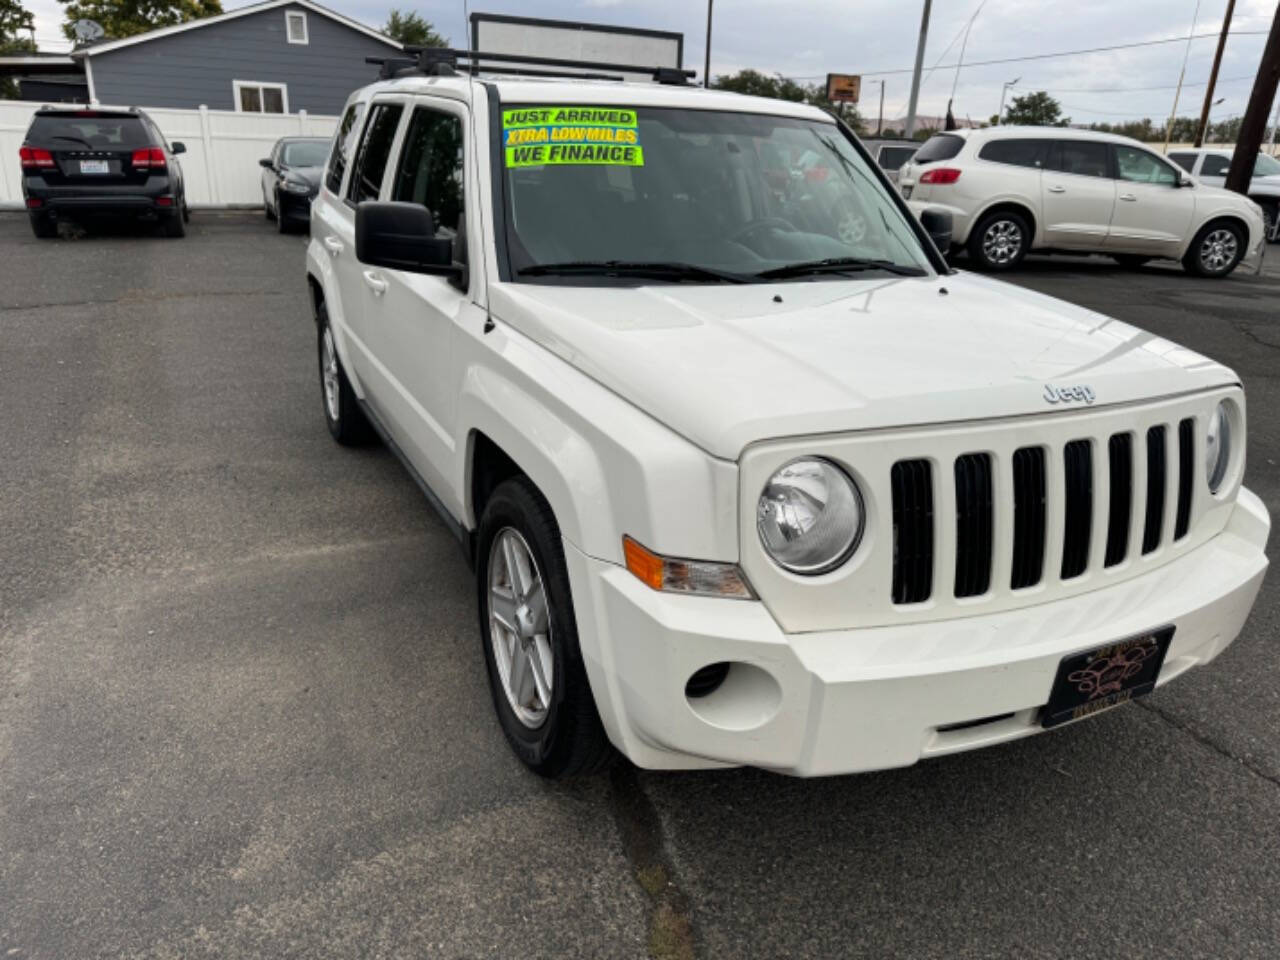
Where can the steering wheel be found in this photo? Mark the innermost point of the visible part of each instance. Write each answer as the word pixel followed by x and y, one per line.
pixel 756 225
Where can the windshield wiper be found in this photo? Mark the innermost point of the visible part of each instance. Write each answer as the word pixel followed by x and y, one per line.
pixel 674 272
pixel 76 139
pixel 839 265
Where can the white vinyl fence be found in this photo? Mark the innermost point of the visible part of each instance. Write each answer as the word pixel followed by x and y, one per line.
pixel 223 149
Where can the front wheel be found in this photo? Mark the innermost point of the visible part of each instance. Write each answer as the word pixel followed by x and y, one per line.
pixel 1270 211
pixel 1000 241
pixel 1215 251
pixel 282 225
pixel 530 636
pixel 342 414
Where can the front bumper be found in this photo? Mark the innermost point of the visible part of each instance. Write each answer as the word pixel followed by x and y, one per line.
pixel 295 206
pixel 854 700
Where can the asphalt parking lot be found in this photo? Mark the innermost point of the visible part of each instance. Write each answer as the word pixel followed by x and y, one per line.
pixel 243 710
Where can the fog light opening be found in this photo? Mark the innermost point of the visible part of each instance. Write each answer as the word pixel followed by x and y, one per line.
pixel 706 681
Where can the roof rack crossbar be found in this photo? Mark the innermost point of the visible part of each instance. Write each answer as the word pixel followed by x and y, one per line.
pixel 430 59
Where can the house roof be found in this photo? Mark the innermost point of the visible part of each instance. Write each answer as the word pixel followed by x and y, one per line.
pixel 108 46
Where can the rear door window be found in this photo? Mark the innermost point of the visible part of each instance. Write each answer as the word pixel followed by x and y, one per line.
pixel 1084 158
pixel 941 146
pixel 1017 153
pixel 375 150
pixel 343 143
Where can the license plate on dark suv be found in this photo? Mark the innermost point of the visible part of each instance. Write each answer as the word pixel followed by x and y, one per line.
pixel 94 166
pixel 1090 682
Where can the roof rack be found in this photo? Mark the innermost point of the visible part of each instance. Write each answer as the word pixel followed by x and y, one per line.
pixel 443 62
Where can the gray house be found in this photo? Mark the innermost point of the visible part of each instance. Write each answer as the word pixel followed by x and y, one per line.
pixel 279 56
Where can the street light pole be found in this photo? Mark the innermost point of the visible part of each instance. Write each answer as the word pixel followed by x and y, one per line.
pixel 910 128
pixel 706 67
pixel 880 117
pixel 1003 91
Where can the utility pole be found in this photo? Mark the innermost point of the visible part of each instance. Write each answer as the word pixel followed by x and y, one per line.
pixel 880 116
pixel 706 68
pixel 910 128
pixel 1203 128
pixel 1254 124
pixel 1173 115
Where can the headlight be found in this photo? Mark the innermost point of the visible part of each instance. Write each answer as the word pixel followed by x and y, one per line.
pixel 810 516
pixel 1217 446
pixel 296 186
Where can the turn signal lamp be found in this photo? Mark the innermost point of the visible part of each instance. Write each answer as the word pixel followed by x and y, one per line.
pixel 695 577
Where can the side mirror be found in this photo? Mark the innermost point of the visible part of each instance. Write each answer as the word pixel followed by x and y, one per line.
pixel 177 147
pixel 1184 181
pixel 401 236
pixel 937 223
pixel 266 162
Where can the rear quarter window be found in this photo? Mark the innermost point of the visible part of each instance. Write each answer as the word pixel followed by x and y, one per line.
pixel 1016 153
pixel 941 146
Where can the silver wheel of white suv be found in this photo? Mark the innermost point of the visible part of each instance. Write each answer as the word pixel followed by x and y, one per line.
pixel 1002 242
pixel 520 627
pixel 999 240
pixel 1216 250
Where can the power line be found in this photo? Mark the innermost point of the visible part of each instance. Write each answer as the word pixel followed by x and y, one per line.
pixel 1050 56
pixel 1168 86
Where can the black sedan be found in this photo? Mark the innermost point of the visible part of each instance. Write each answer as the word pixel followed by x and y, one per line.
pixel 291 179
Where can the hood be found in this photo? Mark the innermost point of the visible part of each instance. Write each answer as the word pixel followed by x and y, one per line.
pixel 311 175
pixel 726 366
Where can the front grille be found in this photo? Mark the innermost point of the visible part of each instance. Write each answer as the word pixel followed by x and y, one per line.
pixel 912 483
pixel 974 517
pixel 1047 527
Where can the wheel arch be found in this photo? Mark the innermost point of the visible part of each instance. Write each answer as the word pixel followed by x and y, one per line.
pixel 1009 206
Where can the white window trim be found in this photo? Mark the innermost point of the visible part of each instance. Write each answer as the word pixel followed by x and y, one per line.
pixel 288 35
pixel 283 88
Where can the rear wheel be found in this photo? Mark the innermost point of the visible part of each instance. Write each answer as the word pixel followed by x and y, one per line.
pixel 175 226
pixel 342 414
pixel 1130 260
pixel 43 227
pixel 1000 240
pixel 536 674
pixel 1215 251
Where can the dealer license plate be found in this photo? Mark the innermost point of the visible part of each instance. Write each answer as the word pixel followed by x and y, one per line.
pixel 94 166
pixel 1088 683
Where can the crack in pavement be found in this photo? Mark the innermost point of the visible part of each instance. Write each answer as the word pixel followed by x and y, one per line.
pixel 1205 741
pixel 148 298
pixel 671 934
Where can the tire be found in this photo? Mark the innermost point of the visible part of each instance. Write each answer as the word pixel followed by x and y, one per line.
pixel 1269 213
pixel 1215 251
pixel 175 226
pixel 342 414
pixel 44 228
pixel 266 206
pixel 1130 260
pixel 999 241
pixel 550 720
pixel 186 211
pixel 282 225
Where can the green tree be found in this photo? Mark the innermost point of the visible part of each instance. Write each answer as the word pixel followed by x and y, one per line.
pixel 1035 110
pixel 756 84
pixel 412 30
pixel 15 20
pixel 124 18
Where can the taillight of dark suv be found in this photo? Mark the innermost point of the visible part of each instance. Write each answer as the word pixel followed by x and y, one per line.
pixel 107 163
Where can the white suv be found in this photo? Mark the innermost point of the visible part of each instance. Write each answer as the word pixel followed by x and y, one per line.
pixel 739 488
pixel 1011 190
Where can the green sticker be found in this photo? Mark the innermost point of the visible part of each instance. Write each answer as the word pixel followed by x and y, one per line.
pixel 535 136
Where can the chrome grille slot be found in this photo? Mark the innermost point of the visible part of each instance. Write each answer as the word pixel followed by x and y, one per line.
pixel 1077 466
pixel 1186 466
pixel 974 519
pixel 1028 517
pixel 912 485
pixel 1120 461
pixel 1156 480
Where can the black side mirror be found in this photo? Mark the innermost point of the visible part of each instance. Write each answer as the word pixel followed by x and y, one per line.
pixel 937 223
pixel 401 236
pixel 177 147
pixel 266 162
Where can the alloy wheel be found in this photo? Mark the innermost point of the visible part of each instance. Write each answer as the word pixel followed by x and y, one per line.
pixel 1001 242
pixel 329 374
pixel 520 627
pixel 1218 250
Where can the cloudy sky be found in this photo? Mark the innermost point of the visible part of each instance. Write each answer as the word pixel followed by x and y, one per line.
pixel 808 38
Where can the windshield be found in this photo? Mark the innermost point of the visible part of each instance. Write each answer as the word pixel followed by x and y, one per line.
pixel 1266 165
pixel 306 153
pixel 734 193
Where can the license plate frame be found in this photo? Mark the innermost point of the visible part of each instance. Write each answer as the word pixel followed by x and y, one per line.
pixel 94 168
pixel 1096 680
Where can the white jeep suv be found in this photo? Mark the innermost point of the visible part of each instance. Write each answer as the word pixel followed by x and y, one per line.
pixel 1011 190
pixel 738 487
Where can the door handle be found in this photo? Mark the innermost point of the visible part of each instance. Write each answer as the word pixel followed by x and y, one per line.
pixel 375 283
pixel 1127 196
pixel 333 245
pixel 1057 189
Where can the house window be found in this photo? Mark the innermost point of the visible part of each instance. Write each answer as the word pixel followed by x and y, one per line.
pixel 295 23
pixel 254 97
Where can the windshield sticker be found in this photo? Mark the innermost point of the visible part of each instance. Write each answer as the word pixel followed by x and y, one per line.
pixel 534 136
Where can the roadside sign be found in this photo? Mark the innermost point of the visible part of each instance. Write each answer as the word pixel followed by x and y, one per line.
pixel 843 87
